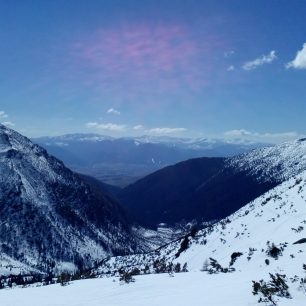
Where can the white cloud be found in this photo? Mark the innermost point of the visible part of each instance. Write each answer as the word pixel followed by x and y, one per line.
pixel 237 133
pixel 112 127
pixel 106 126
pixel 265 137
pixel 300 59
pixel 166 131
pixel 138 127
pixel 230 68
pixel 113 111
pixel 265 59
pixel 8 123
pixel 3 115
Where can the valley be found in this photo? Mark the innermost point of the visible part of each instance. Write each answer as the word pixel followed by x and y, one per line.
pixel 262 234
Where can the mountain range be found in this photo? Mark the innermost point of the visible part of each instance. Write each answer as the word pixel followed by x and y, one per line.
pixel 208 189
pixel 238 211
pixel 121 161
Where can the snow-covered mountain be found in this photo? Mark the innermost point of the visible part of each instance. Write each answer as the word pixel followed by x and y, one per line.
pixel 211 188
pixel 120 161
pixel 49 217
pixel 268 235
pixel 258 249
pixel 276 164
pixel 187 143
pixel 225 261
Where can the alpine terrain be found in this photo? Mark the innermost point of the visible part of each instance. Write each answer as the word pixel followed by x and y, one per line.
pixel 51 219
pixel 208 189
pixel 254 256
pixel 260 247
pixel 163 161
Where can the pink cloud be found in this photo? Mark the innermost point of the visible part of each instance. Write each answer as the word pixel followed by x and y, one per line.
pixel 140 51
pixel 143 53
pixel 137 61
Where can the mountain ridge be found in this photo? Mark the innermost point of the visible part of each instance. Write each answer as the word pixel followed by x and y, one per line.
pixel 265 237
pixel 215 194
pixel 121 161
pixel 49 215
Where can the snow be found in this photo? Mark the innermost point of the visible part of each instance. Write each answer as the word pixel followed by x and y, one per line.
pixel 277 163
pixel 193 288
pixel 35 190
pixel 61 139
pixel 10 266
pixel 185 143
pixel 277 217
pixel 153 239
pixel 272 217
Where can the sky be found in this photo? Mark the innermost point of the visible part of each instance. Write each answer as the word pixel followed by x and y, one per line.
pixel 218 69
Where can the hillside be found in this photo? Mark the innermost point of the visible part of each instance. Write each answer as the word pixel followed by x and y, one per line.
pixel 51 218
pixel 278 217
pixel 266 236
pixel 207 189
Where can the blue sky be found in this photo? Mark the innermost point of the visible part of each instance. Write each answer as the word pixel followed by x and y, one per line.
pixel 229 69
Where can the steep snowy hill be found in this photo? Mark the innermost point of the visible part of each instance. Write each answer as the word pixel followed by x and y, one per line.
pixel 266 236
pixel 274 164
pixel 210 188
pixel 49 217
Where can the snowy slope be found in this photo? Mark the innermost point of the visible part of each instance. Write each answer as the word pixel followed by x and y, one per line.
pixel 49 217
pixel 277 163
pixel 194 288
pixel 276 218
pixel 279 216
pixel 9 266
pixel 211 188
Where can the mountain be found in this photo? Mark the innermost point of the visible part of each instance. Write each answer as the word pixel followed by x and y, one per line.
pixel 49 216
pixel 253 256
pixel 121 161
pixel 265 240
pixel 258 250
pixel 209 189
